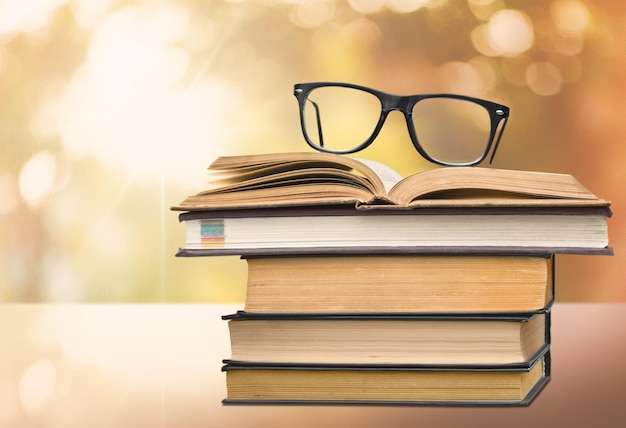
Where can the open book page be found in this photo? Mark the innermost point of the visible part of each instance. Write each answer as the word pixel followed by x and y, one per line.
pixel 281 196
pixel 248 167
pixel 476 182
pixel 387 175
pixel 226 177
pixel 290 179
pixel 287 179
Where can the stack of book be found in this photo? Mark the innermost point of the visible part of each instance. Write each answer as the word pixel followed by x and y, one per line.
pixel 366 289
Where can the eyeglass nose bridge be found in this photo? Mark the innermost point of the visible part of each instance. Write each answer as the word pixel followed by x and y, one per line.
pixel 391 103
pixel 403 104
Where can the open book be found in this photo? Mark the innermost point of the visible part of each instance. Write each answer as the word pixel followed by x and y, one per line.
pixel 292 179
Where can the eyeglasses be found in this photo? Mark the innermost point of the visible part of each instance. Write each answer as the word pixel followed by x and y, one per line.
pixel 453 130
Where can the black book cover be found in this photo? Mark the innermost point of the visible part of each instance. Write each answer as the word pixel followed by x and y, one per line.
pixel 525 401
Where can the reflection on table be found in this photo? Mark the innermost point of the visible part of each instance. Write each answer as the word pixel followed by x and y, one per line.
pixel 160 366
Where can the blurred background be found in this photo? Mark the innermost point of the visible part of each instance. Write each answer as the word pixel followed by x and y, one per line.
pixel 111 110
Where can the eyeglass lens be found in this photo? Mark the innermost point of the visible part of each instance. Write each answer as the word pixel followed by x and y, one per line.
pixel 449 130
pixel 339 119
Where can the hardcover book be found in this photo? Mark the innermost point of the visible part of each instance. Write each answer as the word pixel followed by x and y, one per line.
pixel 343 230
pixel 248 384
pixel 399 283
pixel 408 340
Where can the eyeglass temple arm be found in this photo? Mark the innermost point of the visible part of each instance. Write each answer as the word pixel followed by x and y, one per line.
pixel 319 122
pixel 495 148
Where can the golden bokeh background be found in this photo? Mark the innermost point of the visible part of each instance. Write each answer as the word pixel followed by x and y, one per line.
pixel 112 110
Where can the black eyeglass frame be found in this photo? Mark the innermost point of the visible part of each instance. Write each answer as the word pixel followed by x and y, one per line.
pixel 498 114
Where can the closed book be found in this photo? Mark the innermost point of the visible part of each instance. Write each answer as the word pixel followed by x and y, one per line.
pixel 407 340
pixel 323 230
pixel 248 384
pixel 399 283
